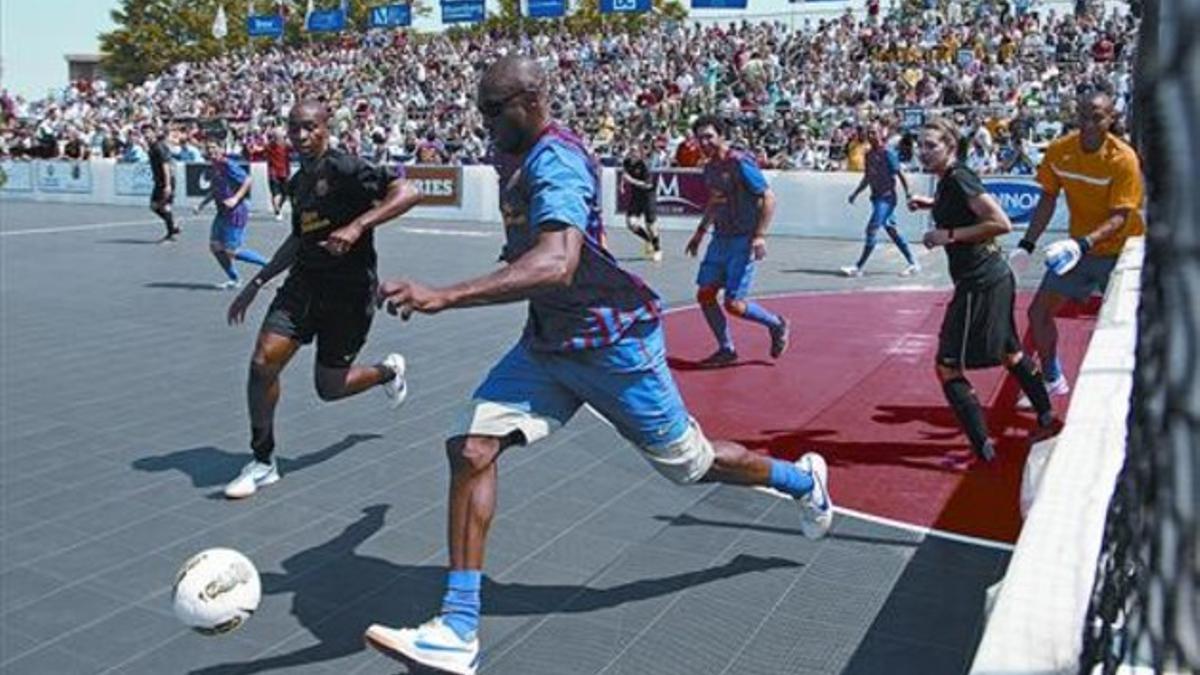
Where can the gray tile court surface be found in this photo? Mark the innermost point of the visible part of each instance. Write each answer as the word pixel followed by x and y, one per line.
pixel 123 414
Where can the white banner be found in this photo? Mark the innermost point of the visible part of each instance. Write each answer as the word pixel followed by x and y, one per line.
pixel 133 180
pixel 64 176
pixel 18 176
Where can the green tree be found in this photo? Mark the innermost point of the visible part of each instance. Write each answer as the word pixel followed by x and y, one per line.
pixel 151 35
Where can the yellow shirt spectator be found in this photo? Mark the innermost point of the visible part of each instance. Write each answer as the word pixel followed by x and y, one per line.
pixel 856 156
pixel 1096 184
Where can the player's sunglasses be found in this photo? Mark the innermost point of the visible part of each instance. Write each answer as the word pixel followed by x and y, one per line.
pixel 494 107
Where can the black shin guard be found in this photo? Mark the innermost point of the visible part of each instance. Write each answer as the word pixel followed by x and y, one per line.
pixel 966 408
pixel 1034 387
pixel 262 442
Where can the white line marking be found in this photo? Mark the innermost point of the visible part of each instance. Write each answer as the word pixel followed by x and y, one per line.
pixel 79 228
pixel 449 233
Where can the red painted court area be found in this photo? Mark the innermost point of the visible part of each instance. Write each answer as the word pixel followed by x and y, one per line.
pixel 858 385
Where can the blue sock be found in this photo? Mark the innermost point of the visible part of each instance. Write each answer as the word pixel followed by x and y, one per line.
pixel 460 605
pixel 788 479
pixel 720 327
pixel 1052 369
pixel 901 244
pixel 251 256
pixel 757 314
pixel 226 264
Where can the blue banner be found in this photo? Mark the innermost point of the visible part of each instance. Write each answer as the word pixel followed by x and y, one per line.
pixel 624 6
pixel 547 9
pixel 326 21
pixel 391 16
pixel 718 4
pixel 264 25
pixel 463 11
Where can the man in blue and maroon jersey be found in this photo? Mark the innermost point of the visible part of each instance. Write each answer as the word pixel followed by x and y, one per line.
pixel 594 336
pixel 740 208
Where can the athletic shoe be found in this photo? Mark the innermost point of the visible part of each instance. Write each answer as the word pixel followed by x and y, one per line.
pixel 433 644
pixel 816 508
pixel 279 216
pixel 230 285
pixel 1048 426
pixel 1055 387
pixel 396 388
pixel 779 338
pixel 253 476
pixel 657 257
pixel 852 271
pixel 910 270
pixel 721 357
pixel 647 249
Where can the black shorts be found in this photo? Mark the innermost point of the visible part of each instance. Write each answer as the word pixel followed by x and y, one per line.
pixel 336 312
pixel 978 330
pixel 643 204
pixel 156 195
pixel 278 187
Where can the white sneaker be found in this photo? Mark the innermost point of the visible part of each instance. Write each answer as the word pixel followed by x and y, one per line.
pixel 852 271
pixel 253 476
pixel 816 508
pixel 397 388
pixel 910 270
pixel 433 644
pixel 279 216
pixel 657 257
pixel 230 285
pixel 1056 387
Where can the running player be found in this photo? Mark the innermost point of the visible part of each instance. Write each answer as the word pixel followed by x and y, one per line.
pixel 337 200
pixel 162 170
pixel 230 188
pixel 594 336
pixel 978 330
pixel 642 214
pixel 278 170
pixel 740 208
pixel 883 169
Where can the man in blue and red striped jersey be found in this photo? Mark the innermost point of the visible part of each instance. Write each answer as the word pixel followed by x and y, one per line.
pixel 594 336
pixel 740 207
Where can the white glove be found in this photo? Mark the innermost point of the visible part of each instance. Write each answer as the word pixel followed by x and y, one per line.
pixel 1018 260
pixel 1063 255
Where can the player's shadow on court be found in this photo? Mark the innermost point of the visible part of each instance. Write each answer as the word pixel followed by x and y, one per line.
pixel 337 593
pixel 822 272
pixel 931 454
pixel 128 241
pixel 185 286
pixel 684 365
pixel 209 467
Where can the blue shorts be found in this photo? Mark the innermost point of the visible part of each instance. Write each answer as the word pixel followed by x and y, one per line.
pixel 882 210
pixel 628 382
pixel 1090 274
pixel 227 232
pixel 729 264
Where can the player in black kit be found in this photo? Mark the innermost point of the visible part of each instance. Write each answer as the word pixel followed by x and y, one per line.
pixel 642 216
pixel 978 330
pixel 162 168
pixel 337 200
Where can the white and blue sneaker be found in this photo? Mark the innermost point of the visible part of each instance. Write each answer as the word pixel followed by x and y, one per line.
pixel 816 508
pixel 253 476
pixel 396 388
pixel 433 644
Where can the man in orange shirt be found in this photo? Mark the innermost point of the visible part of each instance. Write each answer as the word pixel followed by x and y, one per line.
pixel 1102 179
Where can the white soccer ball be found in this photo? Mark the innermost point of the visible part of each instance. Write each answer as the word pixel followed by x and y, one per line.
pixel 216 590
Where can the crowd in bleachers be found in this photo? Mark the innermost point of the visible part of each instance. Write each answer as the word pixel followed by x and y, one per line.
pixel 798 95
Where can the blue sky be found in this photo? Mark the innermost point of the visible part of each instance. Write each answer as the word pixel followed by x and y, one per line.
pixel 32 48
pixel 32 51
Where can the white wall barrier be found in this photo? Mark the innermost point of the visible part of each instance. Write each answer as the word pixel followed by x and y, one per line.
pixel 808 203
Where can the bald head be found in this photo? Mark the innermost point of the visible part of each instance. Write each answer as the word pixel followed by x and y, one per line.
pixel 310 108
pixel 1096 116
pixel 512 101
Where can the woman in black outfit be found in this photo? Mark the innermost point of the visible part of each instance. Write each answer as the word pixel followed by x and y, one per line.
pixel 978 330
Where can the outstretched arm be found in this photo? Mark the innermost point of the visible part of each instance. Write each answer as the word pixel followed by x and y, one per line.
pixel 401 196
pixel 551 263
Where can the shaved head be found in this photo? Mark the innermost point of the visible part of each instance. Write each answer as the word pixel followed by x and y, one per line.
pixel 310 108
pixel 1096 116
pixel 512 101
